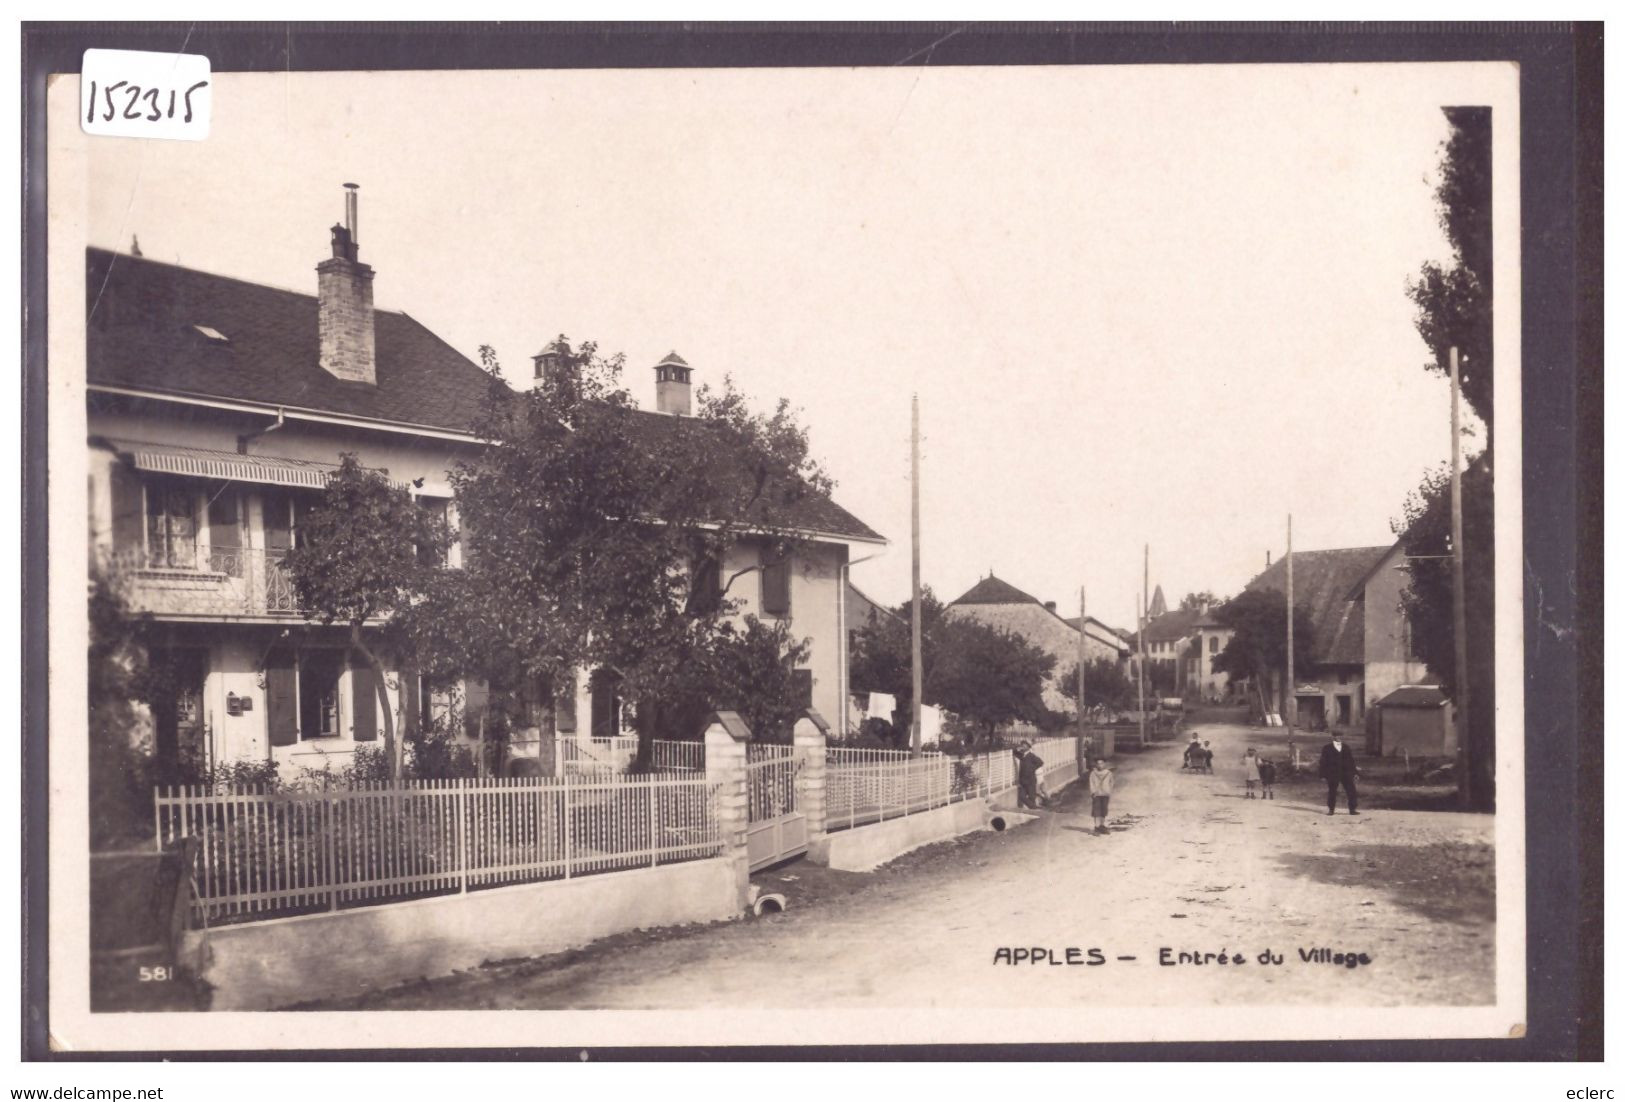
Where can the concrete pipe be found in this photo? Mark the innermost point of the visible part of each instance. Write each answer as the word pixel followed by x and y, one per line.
pixel 769 903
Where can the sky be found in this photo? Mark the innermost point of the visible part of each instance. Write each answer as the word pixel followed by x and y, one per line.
pixel 1139 305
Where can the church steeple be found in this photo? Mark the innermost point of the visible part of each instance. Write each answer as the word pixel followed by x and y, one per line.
pixel 1159 605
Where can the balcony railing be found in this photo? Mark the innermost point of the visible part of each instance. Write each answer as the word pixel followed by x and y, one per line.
pixel 223 581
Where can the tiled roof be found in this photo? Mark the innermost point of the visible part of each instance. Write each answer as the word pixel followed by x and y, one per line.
pixel 1413 696
pixel 995 591
pixel 142 334
pixel 673 359
pixel 1321 582
pixel 1171 626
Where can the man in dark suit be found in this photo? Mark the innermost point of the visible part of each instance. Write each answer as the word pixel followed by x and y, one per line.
pixel 1337 768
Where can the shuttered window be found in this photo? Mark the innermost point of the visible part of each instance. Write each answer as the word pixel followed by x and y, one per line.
pixel 776 588
pixel 128 521
pixel 281 699
pixel 364 702
pixel 804 688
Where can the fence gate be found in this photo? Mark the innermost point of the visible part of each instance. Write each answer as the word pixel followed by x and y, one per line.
pixel 778 828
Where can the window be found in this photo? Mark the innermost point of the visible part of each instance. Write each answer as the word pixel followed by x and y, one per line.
pixel 776 588
pixel 226 530
pixel 319 694
pixel 171 524
pixel 707 595
pixel 804 688
pixel 1213 644
pixel 435 509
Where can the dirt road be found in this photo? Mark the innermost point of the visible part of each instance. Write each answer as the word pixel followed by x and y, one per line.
pixel 1189 866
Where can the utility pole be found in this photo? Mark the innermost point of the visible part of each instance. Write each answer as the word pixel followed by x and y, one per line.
pixel 1464 776
pixel 916 663
pixel 1289 706
pixel 1139 616
pixel 1145 618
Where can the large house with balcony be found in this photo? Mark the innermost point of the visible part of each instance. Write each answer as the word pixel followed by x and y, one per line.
pixel 217 409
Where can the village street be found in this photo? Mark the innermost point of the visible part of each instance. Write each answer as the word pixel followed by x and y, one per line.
pixel 1189 866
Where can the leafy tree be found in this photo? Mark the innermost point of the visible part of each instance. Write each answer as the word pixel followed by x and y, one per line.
pixel 1192 602
pixel 120 805
pixel 1455 301
pixel 988 676
pixel 1455 307
pixel 1258 647
pixel 367 552
pixel 749 666
pixel 595 534
pixel 985 675
pixel 1106 683
pixel 1429 600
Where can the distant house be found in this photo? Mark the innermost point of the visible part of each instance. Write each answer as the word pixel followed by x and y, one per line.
pixel 1332 586
pixel 996 602
pixel 1407 713
pixel 1208 639
pixel 1167 639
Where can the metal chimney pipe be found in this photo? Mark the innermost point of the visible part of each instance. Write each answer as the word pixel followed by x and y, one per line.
pixel 351 214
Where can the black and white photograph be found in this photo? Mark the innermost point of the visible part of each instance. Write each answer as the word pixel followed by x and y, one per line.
pixel 932 554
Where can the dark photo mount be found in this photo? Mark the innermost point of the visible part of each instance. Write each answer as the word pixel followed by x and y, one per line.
pixel 1561 435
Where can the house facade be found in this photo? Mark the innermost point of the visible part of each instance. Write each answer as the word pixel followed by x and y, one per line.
pixel 996 602
pixel 217 409
pixel 1330 586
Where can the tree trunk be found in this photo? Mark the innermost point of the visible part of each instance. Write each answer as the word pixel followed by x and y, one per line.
pixel 391 751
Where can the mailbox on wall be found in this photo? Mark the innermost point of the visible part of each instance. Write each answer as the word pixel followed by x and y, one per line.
pixel 237 705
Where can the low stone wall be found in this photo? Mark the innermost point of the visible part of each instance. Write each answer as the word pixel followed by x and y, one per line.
pixel 864 848
pixel 265 965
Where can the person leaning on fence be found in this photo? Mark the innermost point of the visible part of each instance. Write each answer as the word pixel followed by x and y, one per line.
pixel 1031 789
pixel 1100 793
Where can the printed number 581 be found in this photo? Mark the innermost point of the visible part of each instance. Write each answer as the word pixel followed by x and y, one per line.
pixel 157 974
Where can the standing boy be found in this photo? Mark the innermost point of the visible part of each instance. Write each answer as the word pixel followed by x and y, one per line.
pixel 1100 793
pixel 1266 778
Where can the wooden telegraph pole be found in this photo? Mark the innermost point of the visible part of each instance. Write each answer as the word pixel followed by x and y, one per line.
pixel 1139 616
pixel 1464 779
pixel 916 663
pixel 1289 706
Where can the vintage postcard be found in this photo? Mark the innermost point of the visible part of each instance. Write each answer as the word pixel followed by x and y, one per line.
pixel 832 556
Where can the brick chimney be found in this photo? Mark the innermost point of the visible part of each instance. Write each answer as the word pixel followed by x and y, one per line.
pixel 672 395
pixel 344 317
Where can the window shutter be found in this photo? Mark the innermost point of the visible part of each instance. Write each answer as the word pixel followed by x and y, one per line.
pixel 281 699
pixel 776 588
pixel 128 518
pixel 364 701
pixel 804 688
pixel 564 714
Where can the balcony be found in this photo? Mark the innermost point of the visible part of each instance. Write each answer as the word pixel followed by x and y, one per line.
pixel 225 582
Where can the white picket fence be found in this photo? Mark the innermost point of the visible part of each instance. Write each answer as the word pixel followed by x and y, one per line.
pixel 668 756
pixel 770 780
pixel 599 755
pixel 262 854
pixel 873 791
pixel 1059 756
pixel 853 755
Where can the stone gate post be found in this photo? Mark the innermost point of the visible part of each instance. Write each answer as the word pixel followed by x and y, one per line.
pixel 726 737
pixel 811 736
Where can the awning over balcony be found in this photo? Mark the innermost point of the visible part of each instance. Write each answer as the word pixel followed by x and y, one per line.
pixel 227 466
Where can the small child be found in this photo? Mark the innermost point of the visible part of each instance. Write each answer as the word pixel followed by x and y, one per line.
pixel 1100 793
pixel 1193 754
pixel 1266 778
pixel 1207 757
pixel 1249 771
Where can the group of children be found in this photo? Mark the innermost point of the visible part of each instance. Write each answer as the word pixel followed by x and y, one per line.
pixel 1259 773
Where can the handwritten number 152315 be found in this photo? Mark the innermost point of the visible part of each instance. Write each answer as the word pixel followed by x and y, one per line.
pixel 135 95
